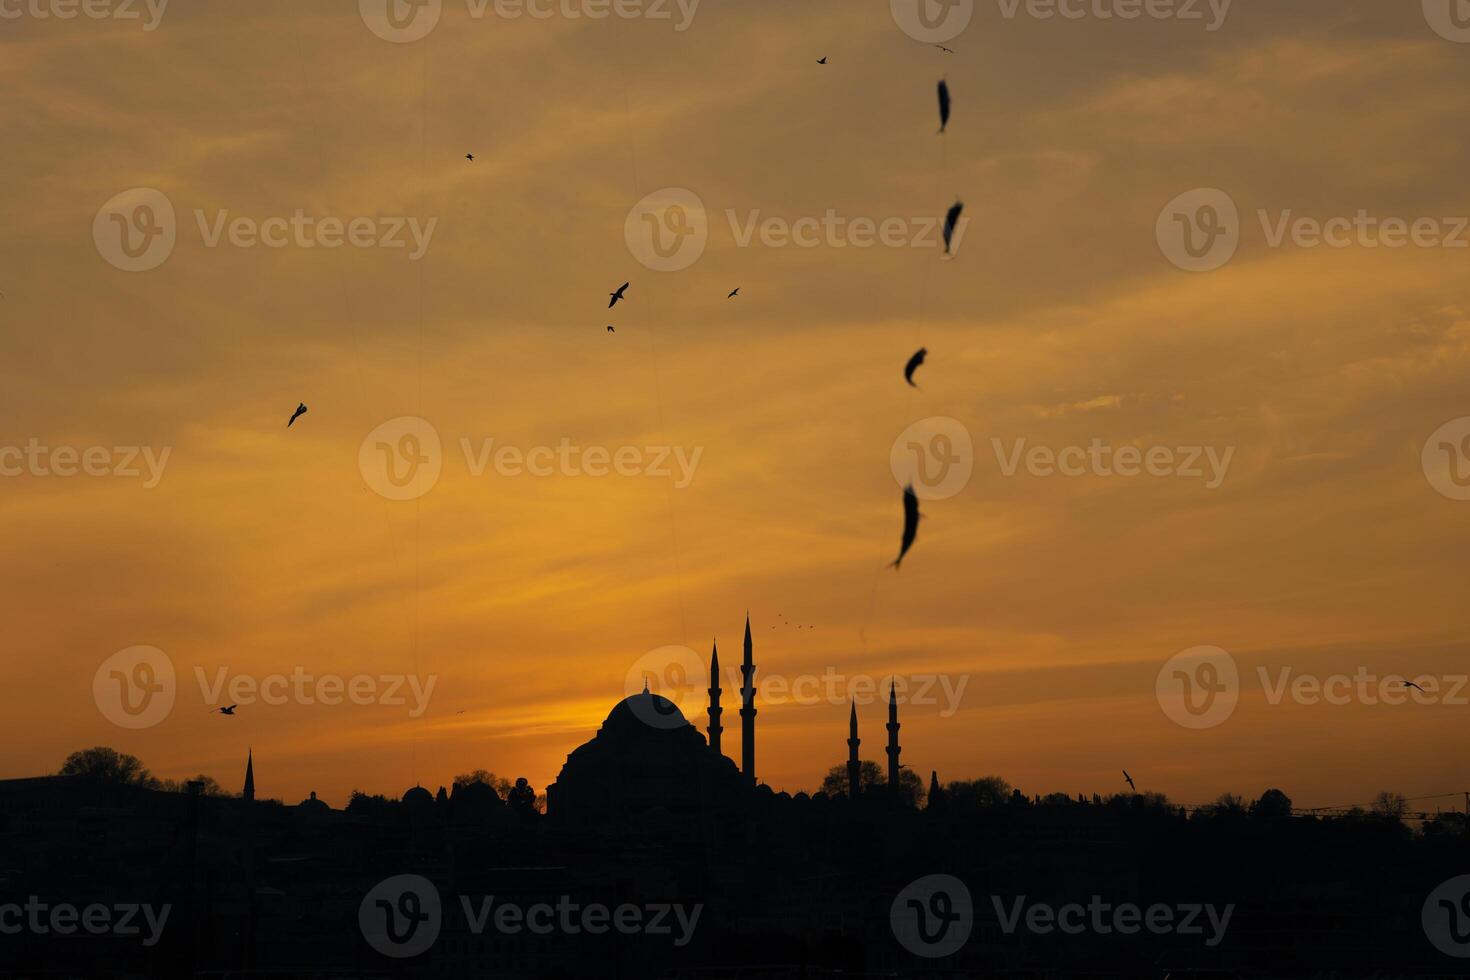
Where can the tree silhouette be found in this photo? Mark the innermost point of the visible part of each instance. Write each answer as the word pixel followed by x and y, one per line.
pixel 109 766
pixel 977 794
pixel 871 776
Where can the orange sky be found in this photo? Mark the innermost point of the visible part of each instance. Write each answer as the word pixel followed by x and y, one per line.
pixel 1055 599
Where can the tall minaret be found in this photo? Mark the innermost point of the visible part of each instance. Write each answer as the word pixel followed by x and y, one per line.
pixel 747 708
pixel 854 767
pixel 892 739
pixel 249 793
pixel 714 700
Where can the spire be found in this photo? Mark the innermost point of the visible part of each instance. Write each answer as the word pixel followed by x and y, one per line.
pixel 747 707
pixel 936 795
pixel 249 793
pixel 714 699
pixel 893 748
pixel 854 767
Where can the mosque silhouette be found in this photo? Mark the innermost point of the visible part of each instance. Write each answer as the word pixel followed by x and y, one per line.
pixel 649 816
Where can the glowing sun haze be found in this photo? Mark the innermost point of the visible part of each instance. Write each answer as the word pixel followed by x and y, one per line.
pixel 1060 321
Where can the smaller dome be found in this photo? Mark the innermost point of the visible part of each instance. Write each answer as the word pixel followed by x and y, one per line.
pixel 313 804
pixel 418 796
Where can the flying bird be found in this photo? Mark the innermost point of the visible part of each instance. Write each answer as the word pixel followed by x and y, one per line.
pixel 470 157
pixel 950 220
pixel 610 329
pixel 1415 687
pixel 944 49
pixel 822 60
pixel 911 517
pixel 913 365
pixel 300 411
pixel 943 105
pixel 733 293
pixel 618 295
pixel 227 710
pixel 1130 781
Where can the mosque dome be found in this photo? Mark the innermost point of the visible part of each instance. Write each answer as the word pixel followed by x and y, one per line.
pixel 646 760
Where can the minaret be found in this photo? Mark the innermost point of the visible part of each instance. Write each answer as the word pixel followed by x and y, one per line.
pixel 747 708
pixel 854 767
pixel 714 700
pixel 892 739
pixel 249 793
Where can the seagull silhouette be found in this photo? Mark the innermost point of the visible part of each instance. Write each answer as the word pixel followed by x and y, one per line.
pixel 822 60
pixel 733 293
pixel 943 105
pixel 227 710
pixel 913 365
pixel 911 517
pixel 1415 687
pixel 610 329
pixel 1130 781
pixel 300 411
pixel 470 157
pixel 618 295
pixel 944 49
pixel 950 220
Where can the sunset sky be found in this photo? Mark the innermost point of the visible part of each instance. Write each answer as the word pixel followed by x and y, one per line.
pixel 1056 600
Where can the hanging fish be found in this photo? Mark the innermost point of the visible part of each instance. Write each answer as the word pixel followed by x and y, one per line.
pixel 943 105
pixel 950 220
